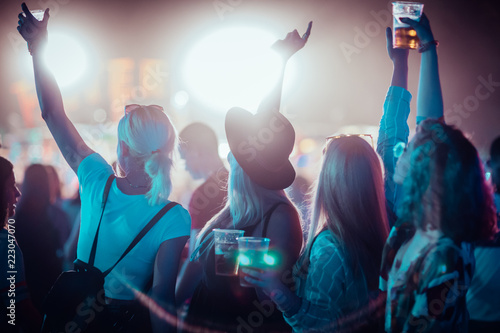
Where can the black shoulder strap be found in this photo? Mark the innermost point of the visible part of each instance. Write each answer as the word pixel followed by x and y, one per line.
pixel 143 232
pixel 268 217
pixel 103 205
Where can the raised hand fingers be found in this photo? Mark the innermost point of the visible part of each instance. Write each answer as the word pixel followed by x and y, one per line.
pixel 26 11
pixel 388 37
pixel 409 21
pixel 306 35
pixel 46 15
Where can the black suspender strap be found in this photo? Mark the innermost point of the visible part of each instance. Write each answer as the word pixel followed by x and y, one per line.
pixel 139 236
pixel 268 217
pixel 103 205
pixel 143 232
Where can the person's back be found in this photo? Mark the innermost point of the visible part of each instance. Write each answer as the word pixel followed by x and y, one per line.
pixel 338 271
pixel 17 312
pixel 220 302
pixel 132 202
pixel 484 292
pixel 429 259
pixel 37 236
pixel 124 216
pixel 146 142
pixel 199 150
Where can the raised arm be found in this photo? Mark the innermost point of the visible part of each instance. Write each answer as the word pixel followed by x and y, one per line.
pixel 399 59
pixel 285 48
pixel 430 96
pixel 69 141
pixel 394 131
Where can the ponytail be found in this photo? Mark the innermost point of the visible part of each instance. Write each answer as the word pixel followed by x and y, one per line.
pixel 158 167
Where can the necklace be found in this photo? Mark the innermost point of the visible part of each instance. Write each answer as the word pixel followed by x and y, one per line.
pixel 135 186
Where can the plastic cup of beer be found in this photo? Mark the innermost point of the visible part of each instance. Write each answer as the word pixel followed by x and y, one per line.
pixel 403 36
pixel 226 251
pixel 252 253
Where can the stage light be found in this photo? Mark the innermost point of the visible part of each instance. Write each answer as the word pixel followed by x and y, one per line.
pixel 66 58
pixel 232 67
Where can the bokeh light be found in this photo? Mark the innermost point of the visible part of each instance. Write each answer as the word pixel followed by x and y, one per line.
pixel 180 100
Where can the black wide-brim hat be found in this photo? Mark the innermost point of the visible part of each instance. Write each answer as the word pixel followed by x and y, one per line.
pixel 261 144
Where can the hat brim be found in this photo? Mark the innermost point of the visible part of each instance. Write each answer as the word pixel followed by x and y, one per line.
pixel 240 124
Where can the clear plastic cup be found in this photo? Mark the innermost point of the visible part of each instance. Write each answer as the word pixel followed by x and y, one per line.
pixel 38 14
pixel 226 251
pixel 403 36
pixel 252 253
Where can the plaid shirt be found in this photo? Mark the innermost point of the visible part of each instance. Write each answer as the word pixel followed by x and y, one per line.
pixel 330 291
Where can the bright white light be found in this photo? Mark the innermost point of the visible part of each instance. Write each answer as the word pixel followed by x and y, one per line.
pixel 224 150
pixel 65 58
pixel 232 67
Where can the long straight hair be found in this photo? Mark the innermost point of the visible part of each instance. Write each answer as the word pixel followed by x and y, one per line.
pixel 245 202
pixel 152 139
pixel 349 201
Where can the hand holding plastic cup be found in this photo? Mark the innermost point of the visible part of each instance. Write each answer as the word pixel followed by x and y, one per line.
pixel 252 253
pixel 403 36
pixel 226 251
pixel 38 14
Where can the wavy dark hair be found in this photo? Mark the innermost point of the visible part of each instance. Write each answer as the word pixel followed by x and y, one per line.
pixel 445 187
pixel 6 169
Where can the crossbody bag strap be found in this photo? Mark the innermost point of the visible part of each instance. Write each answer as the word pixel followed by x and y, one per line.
pixel 143 232
pixel 103 205
pixel 268 217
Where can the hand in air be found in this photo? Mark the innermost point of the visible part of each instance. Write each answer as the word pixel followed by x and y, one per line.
pixel 422 27
pixel 292 43
pixel 30 28
pixel 396 55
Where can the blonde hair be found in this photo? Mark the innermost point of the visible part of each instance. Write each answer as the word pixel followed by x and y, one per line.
pixel 245 202
pixel 349 201
pixel 152 140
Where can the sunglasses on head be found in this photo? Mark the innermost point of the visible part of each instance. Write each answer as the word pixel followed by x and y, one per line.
pixel 363 136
